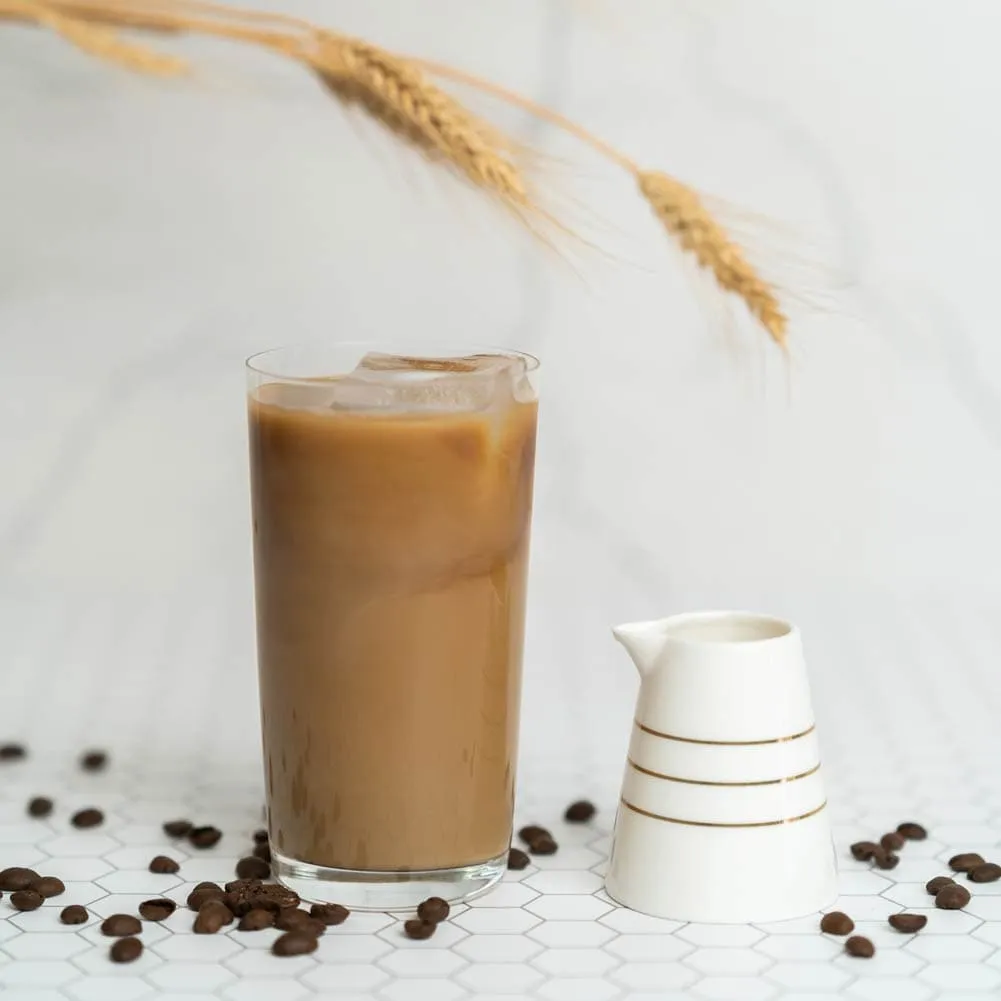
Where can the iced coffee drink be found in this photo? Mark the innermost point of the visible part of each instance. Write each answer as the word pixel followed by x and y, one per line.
pixel 392 501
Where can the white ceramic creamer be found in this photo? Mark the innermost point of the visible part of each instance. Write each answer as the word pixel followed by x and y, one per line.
pixel 723 813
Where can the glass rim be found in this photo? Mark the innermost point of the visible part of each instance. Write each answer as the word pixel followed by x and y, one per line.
pixel 444 349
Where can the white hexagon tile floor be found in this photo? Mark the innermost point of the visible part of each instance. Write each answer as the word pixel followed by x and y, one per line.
pixel 175 706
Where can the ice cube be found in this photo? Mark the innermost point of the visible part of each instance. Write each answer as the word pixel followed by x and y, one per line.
pixel 397 383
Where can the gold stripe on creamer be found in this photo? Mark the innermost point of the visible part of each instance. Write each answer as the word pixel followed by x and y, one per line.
pixel 705 782
pixel 724 743
pixel 706 823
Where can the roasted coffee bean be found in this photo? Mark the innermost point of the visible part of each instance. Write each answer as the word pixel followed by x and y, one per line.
pixel 163 865
pixel 912 831
pixel 12 752
pixel 580 812
pixel 158 909
pixel 207 884
pixel 965 861
pixel 177 828
pixel 126 950
pixel 39 806
pixel 49 886
pixel 17 878
pixel 531 832
pixel 416 928
pixel 87 818
pixel 198 897
pixel 261 837
pixel 294 943
pixel 936 884
pixel 837 923
pixel 517 859
pixel 252 867
pixel 212 916
pixel 239 885
pixel 26 900
pixel 294 919
pixel 892 842
pixel 276 896
pixel 205 836
pixel 885 859
pixel 543 846
pixel 952 897
pixel 93 761
pixel 262 850
pixel 864 850
pixel 860 946
pixel 433 909
pixel 256 919
pixel 329 914
pixel 907 923
pixel 73 915
pixel 989 872
pixel 120 925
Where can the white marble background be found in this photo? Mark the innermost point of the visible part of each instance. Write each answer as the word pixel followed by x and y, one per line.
pixel 152 234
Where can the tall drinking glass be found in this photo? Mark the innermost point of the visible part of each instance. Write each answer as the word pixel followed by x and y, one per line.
pixel 392 498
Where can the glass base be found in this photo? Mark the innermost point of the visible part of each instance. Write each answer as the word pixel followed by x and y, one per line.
pixel 360 890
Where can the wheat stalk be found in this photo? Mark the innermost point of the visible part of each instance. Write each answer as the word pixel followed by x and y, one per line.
pixel 399 93
pixel 399 96
pixel 679 208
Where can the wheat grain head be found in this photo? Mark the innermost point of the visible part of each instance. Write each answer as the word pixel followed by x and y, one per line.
pixel 684 216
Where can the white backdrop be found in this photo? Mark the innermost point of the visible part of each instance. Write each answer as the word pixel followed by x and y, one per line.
pixel 152 234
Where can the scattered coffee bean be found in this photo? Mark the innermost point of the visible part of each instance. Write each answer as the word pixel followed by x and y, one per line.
pixel 294 943
pixel 207 884
pixel 252 867
pixel 73 915
pixel 965 861
pixel 240 885
pixel 163 865
pixel 989 872
pixel 864 850
pixel 543 845
pixel 912 831
pixel 199 896
pixel 126 950
pixel 12 752
pixel 416 928
pixel 26 900
pixel 93 761
pixel 892 842
pixel 17 878
pixel 294 919
pixel 580 812
pixel 329 914
pixel 837 923
pixel 936 884
pixel 908 923
pixel 158 909
pixel 860 946
pixel 177 828
pixel 261 837
pixel 517 859
pixel 885 859
pixel 256 919
pixel 39 806
pixel 262 850
pixel 529 833
pixel 87 818
pixel 952 898
pixel 204 837
pixel 212 915
pixel 433 909
pixel 49 886
pixel 120 925
pixel 253 895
